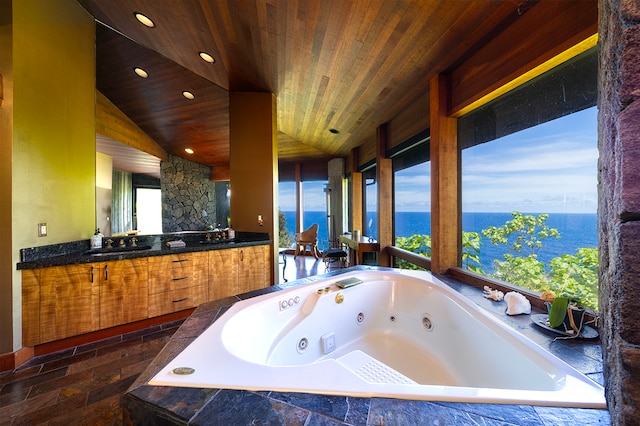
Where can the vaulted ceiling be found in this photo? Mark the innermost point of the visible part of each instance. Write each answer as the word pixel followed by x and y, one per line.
pixel 339 68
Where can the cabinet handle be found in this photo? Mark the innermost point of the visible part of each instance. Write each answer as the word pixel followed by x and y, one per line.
pixel 106 272
pixel 92 274
pixel 180 260
pixel 180 300
pixel 179 279
pixel 241 255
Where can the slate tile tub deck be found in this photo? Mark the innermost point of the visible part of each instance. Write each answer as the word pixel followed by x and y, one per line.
pixel 159 405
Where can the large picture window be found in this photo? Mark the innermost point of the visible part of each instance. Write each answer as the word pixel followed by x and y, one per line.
pixel 529 184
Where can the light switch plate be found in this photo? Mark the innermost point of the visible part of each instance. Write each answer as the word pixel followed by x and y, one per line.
pixel 42 230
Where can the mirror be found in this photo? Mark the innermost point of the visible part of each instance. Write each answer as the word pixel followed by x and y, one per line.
pixel 123 174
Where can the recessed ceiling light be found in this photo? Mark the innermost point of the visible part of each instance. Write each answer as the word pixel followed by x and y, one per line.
pixel 142 73
pixel 144 20
pixel 206 57
pixel 334 131
pixel 188 95
pixel 188 150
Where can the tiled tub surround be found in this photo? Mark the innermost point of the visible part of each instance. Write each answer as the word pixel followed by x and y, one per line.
pixel 145 404
pixel 77 252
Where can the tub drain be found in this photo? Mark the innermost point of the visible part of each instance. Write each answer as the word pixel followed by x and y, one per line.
pixel 427 323
pixel 183 371
pixel 360 318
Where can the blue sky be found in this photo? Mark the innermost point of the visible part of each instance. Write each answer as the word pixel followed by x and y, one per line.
pixel 550 168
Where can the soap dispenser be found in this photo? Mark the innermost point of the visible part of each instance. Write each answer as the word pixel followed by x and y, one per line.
pixel 96 240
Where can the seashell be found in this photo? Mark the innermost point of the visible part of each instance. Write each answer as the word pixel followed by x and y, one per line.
pixel 517 303
pixel 496 295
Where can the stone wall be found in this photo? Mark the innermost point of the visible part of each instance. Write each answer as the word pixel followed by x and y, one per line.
pixel 187 195
pixel 619 205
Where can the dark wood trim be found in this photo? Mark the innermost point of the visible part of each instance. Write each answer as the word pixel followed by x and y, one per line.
pixel 416 259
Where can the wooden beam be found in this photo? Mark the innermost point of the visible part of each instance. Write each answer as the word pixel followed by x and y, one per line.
pixel 114 124
pixel 356 191
pixel 445 182
pixel 299 213
pixel 384 176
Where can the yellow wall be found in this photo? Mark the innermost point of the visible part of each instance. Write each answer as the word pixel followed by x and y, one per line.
pixel 53 176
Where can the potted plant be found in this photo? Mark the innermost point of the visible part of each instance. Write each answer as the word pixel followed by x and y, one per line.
pixel 565 314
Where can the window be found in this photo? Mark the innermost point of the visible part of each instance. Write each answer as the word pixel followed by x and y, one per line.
pixel 370 202
pixel 314 210
pixel 149 210
pixel 412 197
pixel 287 208
pixel 529 183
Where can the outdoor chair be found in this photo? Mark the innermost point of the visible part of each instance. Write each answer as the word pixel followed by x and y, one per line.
pixel 307 238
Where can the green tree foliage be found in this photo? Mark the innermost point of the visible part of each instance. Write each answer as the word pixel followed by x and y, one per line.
pixel 471 245
pixel 283 232
pixel 576 276
pixel 573 276
pixel 523 231
pixel 420 244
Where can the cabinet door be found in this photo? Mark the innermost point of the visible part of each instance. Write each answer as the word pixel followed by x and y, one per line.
pixel 69 301
pixel 200 271
pixel 223 273
pixel 254 268
pixel 124 291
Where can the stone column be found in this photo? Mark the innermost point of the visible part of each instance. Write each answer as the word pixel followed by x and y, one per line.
pixel 619 205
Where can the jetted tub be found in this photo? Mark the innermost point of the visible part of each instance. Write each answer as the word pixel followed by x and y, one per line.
pixel 399 334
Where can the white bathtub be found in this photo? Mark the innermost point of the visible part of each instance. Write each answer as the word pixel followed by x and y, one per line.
pixel 400 334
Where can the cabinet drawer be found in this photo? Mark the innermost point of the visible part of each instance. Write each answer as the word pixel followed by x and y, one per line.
pixel 169 280
pixel 179 260
pixel 177 300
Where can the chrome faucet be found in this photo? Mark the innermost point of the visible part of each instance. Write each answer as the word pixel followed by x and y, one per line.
pixel 134 241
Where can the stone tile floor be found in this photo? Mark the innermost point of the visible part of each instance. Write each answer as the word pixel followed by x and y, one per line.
pixel 81 385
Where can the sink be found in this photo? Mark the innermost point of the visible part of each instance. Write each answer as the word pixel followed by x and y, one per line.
pixel 115 250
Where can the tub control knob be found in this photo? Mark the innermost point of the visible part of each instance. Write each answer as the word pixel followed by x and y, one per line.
pixel 291 302
pixel 283 304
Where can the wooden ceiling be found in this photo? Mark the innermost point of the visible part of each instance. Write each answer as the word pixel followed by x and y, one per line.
pixel 333 64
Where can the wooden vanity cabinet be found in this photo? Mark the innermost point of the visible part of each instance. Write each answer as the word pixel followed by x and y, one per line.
pixel 177 282
pixel 238 270
pixel 124 291
pixel 65 301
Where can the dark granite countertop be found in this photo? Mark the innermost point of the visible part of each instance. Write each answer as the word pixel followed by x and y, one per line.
pixel 146 404
pixel 78 252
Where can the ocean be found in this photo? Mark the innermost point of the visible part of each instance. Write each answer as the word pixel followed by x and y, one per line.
pixel 576 231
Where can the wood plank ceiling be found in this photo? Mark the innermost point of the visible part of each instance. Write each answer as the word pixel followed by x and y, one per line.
pixel 348 65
